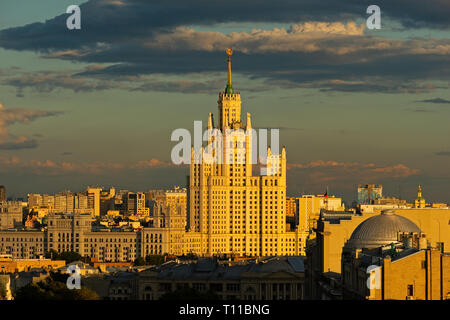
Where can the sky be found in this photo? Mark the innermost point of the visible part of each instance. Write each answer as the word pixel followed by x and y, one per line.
pixel 97 106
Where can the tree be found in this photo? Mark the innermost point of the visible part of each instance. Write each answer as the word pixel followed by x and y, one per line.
pixel 139 262
pixel 154 259
pixel 68 256
pixel 52 254
pixel 32 291
pixel 2 292
pixel 53 290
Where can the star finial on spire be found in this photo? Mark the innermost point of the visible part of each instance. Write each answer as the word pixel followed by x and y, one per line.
pixel 229 88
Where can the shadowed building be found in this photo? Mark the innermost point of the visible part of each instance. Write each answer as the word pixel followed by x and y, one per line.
pixel 271 278
pixel 334 229
pixel 404 270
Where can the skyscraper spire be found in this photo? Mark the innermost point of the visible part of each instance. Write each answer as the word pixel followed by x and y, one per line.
pixel 229 88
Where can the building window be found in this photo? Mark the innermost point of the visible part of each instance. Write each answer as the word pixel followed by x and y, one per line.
pixel 410 290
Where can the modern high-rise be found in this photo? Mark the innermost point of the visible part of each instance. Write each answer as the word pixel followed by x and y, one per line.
pixel 369 193
pixel 136 203
pixel 94 200
pixel 231 210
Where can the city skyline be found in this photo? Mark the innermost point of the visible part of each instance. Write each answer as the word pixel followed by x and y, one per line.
pixel 250 152
pixel 355 106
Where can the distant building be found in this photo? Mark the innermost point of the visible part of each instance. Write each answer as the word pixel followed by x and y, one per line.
pixel 2 194
pixel 11 215
pixel 309 207
pixel 74 232
pixel 369 193
pixel 84 268
pixel 302 213
pixel 272 278
pixel 336 230
pixel 407 270
pixel 93 195
pixel 5 287
pixel 64 201
pixel 420 201
pixel 9 265
pixel 175 198
pixel 136 204
pixel 35 201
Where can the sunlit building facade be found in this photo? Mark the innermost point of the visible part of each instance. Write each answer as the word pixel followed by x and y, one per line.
pixel 231 210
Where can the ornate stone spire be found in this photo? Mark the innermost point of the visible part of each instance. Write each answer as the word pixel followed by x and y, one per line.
pixel 229 88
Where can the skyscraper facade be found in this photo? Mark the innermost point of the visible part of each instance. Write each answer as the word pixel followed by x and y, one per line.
pixel 231 210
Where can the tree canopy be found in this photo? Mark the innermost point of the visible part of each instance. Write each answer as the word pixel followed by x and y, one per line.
pixel 50 289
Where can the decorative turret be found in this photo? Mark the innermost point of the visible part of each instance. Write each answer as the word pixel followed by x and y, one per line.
pixel 249 122
pixel 210 121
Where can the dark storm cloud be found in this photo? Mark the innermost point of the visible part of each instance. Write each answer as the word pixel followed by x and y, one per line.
pixel 28 144
pixel 48 81
pixel 137 38
pixel 419 110
pixel 443 153
pixel 436 100
pixel 390 71
pixel 110 21
pixel 180 86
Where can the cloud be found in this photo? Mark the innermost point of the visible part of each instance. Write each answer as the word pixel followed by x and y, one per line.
pixel 344 176
pixel 435 100
pixel 11 116
pixel 49 81
pixel 179 86
pixel 324 48
pixel 367 170
pixel 420 110
pixel 18 144
pixel 324 56
pixel 53 168
pixel 443 153
pixel 109 21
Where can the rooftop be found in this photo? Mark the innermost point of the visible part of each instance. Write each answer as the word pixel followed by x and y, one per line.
pixel 380 230
pixel 211 269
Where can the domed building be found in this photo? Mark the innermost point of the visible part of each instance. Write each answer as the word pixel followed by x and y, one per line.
pixel 380 230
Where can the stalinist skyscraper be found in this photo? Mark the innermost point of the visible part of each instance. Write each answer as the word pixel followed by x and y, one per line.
pixel 230 209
